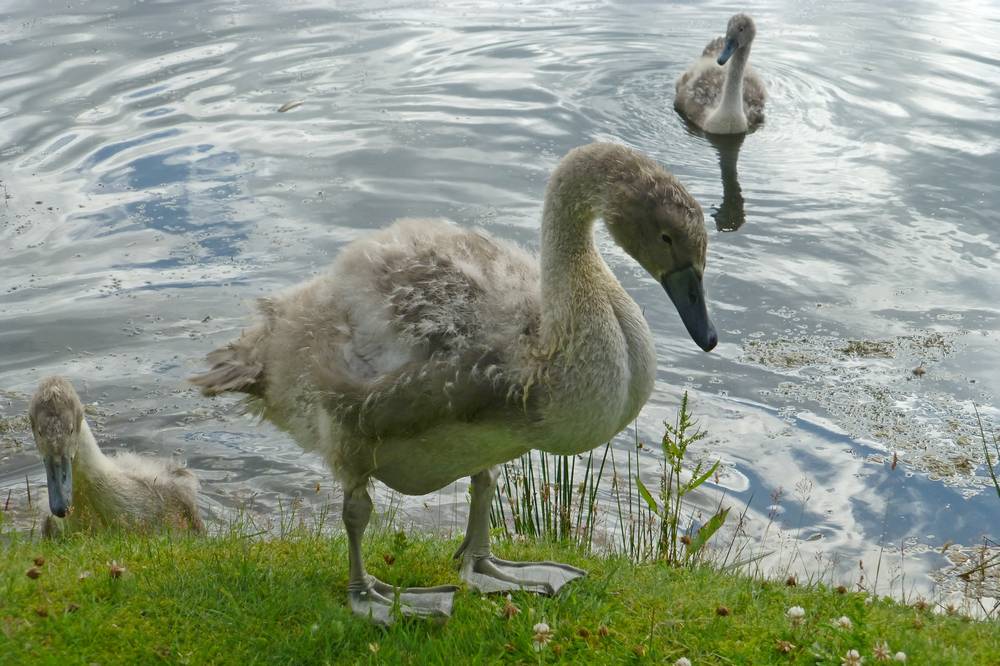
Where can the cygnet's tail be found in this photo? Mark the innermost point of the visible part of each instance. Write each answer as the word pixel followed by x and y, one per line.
pixel 235 367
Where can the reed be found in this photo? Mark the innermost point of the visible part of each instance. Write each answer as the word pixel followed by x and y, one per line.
pixel 992 463
pixel 564 499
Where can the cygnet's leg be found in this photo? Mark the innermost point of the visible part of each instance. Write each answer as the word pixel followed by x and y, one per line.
pixel 486 573
pixel 370 597
pixel 53 527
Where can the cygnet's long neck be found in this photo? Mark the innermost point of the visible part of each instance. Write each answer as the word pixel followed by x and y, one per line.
pixel 732 92
pixel 572 267
pixel 593 335
pixel 89 460
pixel 567 240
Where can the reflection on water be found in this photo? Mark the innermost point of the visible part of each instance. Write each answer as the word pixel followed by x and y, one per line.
pixel 729 214
pixel 152 189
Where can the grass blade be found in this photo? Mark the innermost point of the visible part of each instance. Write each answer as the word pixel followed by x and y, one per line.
pixel 706 532
pixel 646 495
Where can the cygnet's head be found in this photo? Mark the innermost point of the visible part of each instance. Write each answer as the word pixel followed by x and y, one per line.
pixel 654 218
pixel 739 34
pixel 56 416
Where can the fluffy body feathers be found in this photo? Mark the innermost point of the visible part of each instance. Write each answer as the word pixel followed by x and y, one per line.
pixel 428 352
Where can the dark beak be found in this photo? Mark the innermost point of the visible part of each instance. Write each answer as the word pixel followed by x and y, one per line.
pixel 727 52
pixel 59 474
pixel 685 290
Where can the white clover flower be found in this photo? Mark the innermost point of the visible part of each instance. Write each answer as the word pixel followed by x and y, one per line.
pixel 881 651
pixel 843 622
pixel 683 661
pixel 852 658
pixel 900 656
pixel 795 614
pixel 543 634
pixel 509 610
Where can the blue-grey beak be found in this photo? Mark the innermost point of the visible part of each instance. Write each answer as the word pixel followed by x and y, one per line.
pixel 59 475
pixel 685 290
pixel 727 51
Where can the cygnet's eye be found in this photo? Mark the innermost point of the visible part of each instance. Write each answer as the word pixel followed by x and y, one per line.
pixel 666 239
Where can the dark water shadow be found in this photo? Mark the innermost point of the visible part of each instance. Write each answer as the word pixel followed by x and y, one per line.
pixel 729 215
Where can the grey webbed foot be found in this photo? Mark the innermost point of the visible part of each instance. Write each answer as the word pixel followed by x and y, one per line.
pixel 492 574
pixel 486 573
pixel 377 601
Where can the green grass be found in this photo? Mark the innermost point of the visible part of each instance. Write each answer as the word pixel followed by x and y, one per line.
pixel 236 599
pixel 240 597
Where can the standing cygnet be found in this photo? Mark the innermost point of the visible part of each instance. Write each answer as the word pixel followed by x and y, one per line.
pixel 719 99
pixel 92 490
pixel 429 352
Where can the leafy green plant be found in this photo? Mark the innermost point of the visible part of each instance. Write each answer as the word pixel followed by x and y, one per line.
pixel 676 440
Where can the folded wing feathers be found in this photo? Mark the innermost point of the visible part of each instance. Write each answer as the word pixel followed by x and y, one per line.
pixel 420 311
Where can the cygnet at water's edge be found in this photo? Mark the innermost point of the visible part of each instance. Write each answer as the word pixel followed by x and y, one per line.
pixel 429 352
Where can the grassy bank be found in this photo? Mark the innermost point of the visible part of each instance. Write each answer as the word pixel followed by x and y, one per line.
pixel 235 599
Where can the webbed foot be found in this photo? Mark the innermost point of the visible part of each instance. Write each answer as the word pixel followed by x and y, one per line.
pixel 377 600
pixel 491 574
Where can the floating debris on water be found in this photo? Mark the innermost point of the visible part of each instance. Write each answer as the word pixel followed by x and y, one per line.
pixel 869 348
pixel 859 384
pixel 821 349
pixel 288 106
pixel 11 424
pixel 14 432
pixel 974 571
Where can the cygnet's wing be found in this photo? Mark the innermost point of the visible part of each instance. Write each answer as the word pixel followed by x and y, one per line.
pixel 159 492
pixel 699 89
pixel 754 96
pixel 433 322
pixel 714 48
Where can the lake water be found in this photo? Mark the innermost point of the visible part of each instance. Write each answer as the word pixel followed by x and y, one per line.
pixel 152 189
